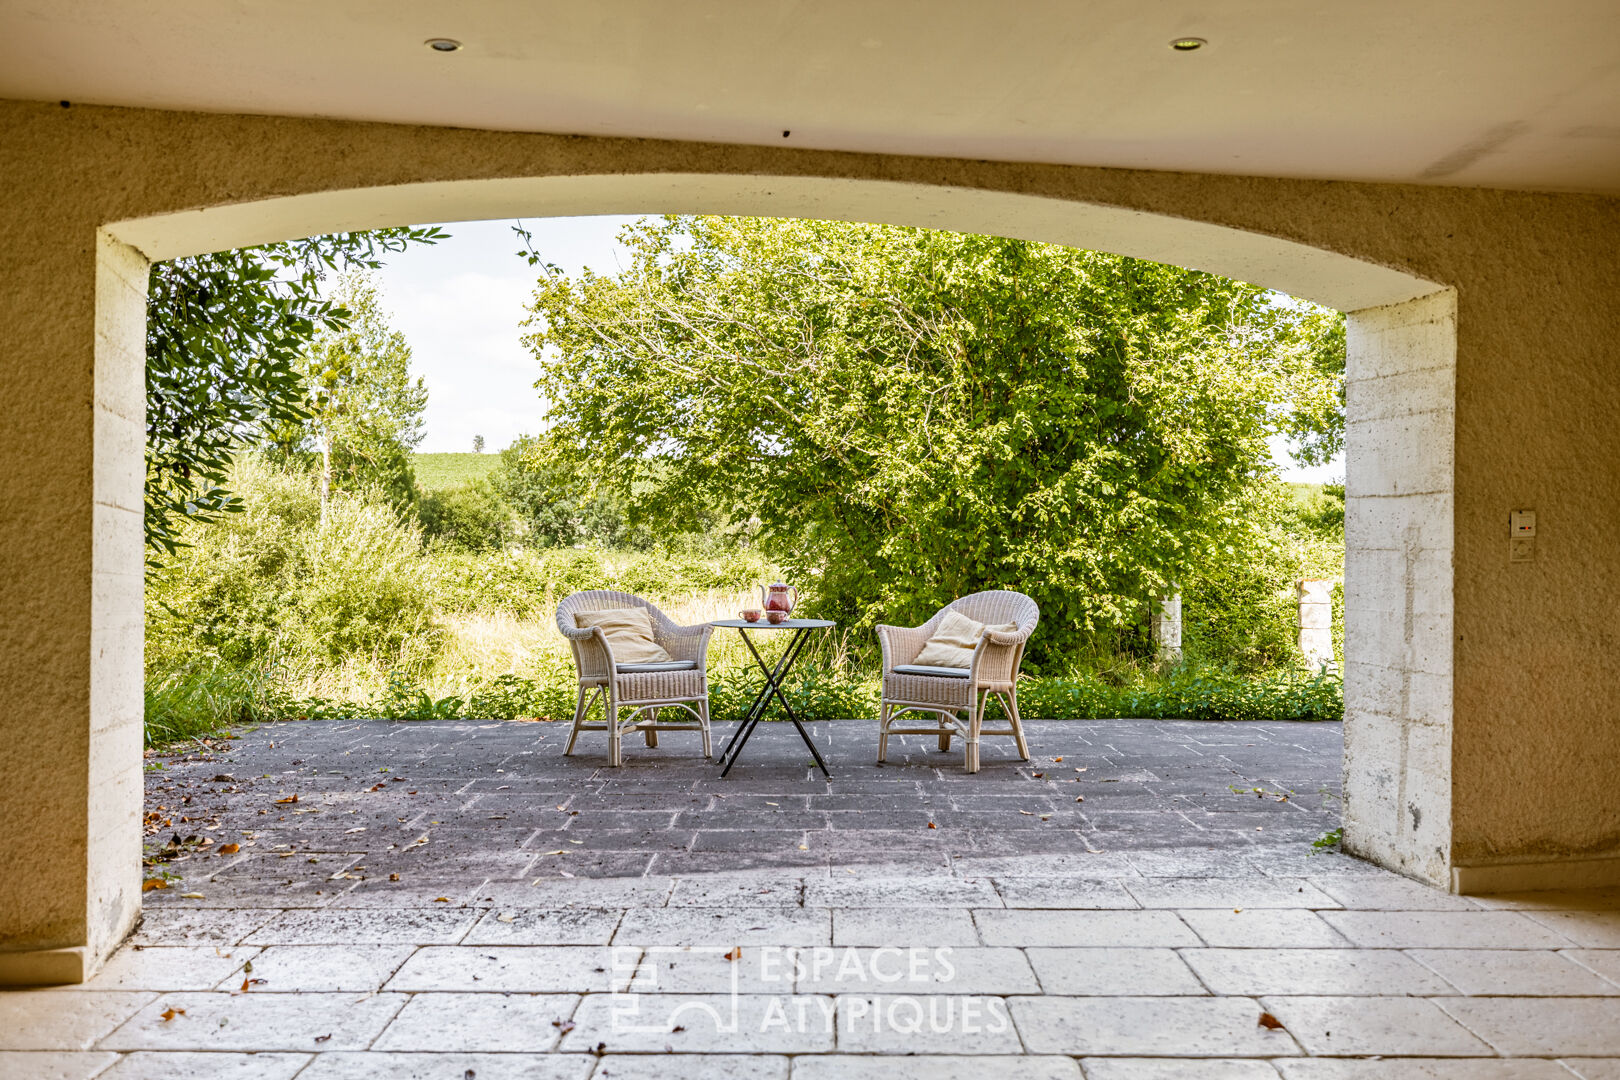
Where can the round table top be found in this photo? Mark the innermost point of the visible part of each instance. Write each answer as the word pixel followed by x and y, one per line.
pixel 785 624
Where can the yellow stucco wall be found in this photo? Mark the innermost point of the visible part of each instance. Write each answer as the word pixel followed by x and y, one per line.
pixel 1535 736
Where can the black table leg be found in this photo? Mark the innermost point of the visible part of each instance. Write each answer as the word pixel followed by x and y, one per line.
pixel 773 686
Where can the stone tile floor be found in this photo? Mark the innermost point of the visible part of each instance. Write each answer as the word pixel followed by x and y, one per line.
pixel 458 900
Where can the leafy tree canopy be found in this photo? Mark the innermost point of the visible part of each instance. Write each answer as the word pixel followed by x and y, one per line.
pixel 224 333
pixel 915 415
pixel 363 415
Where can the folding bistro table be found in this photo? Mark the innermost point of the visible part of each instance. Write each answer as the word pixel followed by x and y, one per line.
pixel 773 684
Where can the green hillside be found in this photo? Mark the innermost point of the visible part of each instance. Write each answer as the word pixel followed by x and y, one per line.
pixel 438 472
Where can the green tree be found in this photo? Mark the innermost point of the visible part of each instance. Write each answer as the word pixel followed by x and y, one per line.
pixel 364 413
pixel 559 503
pixel 224 332
pixel 915 415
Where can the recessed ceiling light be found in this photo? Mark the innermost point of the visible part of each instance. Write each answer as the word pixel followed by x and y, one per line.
pixel 1187 44
pixel 442 44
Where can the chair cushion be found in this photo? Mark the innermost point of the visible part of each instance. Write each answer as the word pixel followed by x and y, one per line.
pixel 925 669
pixel 952 645
pixel 629 633
pixel 672 665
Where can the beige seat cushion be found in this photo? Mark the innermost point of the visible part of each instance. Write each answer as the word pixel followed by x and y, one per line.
pixel 629 632
pixel 953 643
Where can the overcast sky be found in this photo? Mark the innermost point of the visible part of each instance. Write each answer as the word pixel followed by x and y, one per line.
pixel 460 304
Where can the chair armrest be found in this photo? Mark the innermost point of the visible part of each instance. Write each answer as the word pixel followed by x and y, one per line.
pixel 995 661
pixel 688 643
pixel 901 644
pixel 997 637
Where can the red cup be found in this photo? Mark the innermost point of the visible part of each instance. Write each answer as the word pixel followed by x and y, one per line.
pixel 776 616
pixel 751 615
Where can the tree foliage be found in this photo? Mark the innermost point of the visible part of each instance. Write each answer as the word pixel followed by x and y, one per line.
pixel 915 415
pixel 364 411
pixel 224 332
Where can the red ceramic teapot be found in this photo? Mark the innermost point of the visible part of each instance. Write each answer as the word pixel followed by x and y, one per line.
pixel 776 597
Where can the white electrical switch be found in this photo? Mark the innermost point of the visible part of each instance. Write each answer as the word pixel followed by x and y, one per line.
pixel 1522 523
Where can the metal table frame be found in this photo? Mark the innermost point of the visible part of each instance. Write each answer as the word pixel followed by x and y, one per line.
pixel 773 684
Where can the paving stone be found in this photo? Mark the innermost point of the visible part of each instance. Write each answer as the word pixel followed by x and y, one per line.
pixel 525 969
pixel 70 1019
pixel 693 1067
pixel 578 892
pixel 1389 1026
pixel 1228 893
pixel 1142 1026
pixel 1591 929
pixel 903 927
pixel 1386 892
pixel 1105 972
pixel 726 890
pixel 199 927
pixel 1539 1027
pixel 254 1021
pixel 708 926
pixel 1063 892
pixel 1421 1069
pixel 365 927
pixel 54 1064
pixel 917 970
pixel 645 1023
pixel 708 969
pixel 1171 1069
pixel 322 968
pixel 1138 929
pixel 1517 973
pixel 431 1066
pixel 568 926
pixel 910 1023
pixel 934 1067
pixel 1606 962
pixel 467 1023
pixel 1592 1068
pixel 1604 899
pixel 900 892
pixel 193 1065
pixel 1321 972
pixel 1442 930
pixel 1254 928
pixel 184 967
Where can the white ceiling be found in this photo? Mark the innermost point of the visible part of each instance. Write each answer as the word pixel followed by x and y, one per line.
pixel 1501 93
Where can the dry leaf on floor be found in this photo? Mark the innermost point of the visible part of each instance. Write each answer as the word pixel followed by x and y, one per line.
pixel 153 883
pixel 441 899
pixel 191 896
pixel 1271 1023
pixel 393 877
pixel 229 849
pixel 505 916
pixel 1079 798
pixel 804 847
pixel 735 954
pixel 248 983
pixel 288 799
pixel 170 1013
pixel 931 825
pixel 1057 759
pixel 1027 813
pixel 564 1026
pixel 323 1038
pixel 565 873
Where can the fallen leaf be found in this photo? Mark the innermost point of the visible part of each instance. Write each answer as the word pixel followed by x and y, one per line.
pixel 288 799
pixel 804 847
pixel 1057 759
pixel 1027 813
pixel 153 883
pixel 735 954
pixel 323 1038
pixel 565 873
pixel 170 1013
pixel 1271 1023
pixel 576 841
pixel 441 899
pixel 393 877
pixel 505 916
pixel 677 1027
pixel 229 849
pixel 767 803
pixel 191 896
pixel 1079 798
pixel 931 825
pixel 564 1026
pixel 559 852
pixel 1037 775
pixel 247 983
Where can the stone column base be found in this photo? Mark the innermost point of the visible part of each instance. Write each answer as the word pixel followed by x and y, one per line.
pixel 44 967
pixel 1537 875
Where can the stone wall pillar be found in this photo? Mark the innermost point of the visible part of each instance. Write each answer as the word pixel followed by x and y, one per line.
pixel 73 404
pixel 1167 629
pixel 1314 598
pixel 1398 585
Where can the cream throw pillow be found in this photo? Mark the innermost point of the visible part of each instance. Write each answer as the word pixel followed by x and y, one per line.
pixel 953 643
pixel 629 633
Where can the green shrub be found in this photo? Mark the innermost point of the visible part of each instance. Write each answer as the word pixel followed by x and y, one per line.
pixel 274 583
pixel 468 517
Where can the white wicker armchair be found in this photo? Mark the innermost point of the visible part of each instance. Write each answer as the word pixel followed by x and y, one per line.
pixel 682 683
pixel 945 692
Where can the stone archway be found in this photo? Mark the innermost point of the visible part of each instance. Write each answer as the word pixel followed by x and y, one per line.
pixel 158 185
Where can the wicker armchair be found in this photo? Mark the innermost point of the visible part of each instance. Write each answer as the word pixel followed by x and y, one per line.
pixel 945 692
pixel 681 684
